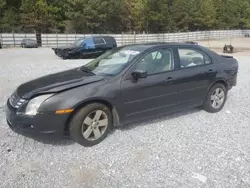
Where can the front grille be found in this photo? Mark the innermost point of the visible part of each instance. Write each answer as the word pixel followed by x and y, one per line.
pixel 15 100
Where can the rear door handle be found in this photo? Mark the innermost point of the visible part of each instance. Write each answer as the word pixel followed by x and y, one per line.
pixel 210 71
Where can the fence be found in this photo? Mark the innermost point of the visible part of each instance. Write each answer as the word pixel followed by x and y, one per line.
pixel 53 40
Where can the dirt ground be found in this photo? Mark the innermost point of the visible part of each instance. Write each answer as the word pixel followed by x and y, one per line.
pixel 239 53
pixel 240 44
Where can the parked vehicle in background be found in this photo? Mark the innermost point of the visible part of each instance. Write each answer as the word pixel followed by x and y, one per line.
pixel 29 43
pixel 228 49
pixel 90 47
pixel 191 42
pixel 124 85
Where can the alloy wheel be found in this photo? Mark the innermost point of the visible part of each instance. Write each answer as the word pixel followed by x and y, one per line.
pixel 94 125
pixel 217 98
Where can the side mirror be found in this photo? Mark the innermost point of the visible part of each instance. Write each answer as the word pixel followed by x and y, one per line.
pixel 139 74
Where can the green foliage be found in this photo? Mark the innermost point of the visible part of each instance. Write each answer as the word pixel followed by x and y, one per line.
pixel 94 15
pixel 10 20
pixel 157 15
pixel 116 16
pixel 38 15
pixel 2 3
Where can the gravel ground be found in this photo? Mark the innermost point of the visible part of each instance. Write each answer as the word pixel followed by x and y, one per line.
pixel 188 149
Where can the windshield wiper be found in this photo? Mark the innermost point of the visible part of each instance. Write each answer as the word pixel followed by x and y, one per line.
pixel 86 69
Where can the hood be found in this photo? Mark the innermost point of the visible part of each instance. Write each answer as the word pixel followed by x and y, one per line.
pixel 57 82
pixel 69 46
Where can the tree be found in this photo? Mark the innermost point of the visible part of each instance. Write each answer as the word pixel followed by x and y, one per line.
pixel 10 20
pixel 182 12
pixel 204 17
pixel 112 16
pixel 137 15
pixel 243 14
pixel 158 15
pixel 60 15
pixel 232 14
pixel 39 16
pixel 2 3
pixel 10 15
pixel 86 16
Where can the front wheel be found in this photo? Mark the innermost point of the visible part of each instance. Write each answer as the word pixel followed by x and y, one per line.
pixel 91 124
pixel 215 99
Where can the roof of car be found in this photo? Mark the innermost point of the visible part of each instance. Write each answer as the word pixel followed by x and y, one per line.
pixel 150 45
pixel 101 36
pixel 155 44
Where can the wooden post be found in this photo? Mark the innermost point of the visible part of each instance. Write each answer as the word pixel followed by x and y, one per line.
pixel 47 39
pixel 1 41
pixel 56 40
pixel 134 37
pixel 13 35
pixel 122 39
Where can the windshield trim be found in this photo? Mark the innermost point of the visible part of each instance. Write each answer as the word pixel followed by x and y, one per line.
pixel 77 41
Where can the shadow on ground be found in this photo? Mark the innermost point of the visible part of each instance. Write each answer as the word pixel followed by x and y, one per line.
pixel 158 119
pixel 50 140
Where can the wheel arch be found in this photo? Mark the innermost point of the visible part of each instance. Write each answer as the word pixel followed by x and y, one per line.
pixel 115 115
pixel 220 81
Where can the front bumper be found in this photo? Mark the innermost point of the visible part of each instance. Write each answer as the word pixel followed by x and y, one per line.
pixel 41 126
pixel 61 53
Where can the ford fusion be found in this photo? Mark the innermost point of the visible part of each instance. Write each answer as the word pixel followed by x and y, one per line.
pixel 124 85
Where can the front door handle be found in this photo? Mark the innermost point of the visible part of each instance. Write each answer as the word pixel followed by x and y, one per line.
pixel 210 70
pixel 169 80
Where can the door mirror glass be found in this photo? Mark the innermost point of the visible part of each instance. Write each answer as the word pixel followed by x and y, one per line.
pixel 139 74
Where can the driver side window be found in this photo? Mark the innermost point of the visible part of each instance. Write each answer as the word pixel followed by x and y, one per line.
pixel 158 61
pixel 88 43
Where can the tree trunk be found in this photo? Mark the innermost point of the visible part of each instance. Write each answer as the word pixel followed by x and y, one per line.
pixel 39 38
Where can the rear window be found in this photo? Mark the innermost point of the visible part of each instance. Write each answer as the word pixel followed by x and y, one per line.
pixel 190 58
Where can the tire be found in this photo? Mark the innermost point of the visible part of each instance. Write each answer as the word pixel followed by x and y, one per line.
pixel 84 56
pixel 64 57
pixel 78 128
pixel 208 104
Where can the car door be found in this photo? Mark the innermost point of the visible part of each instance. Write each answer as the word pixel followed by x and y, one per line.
pixel 100 45
pixel 88 48
pixel 152 95
pixel 196 74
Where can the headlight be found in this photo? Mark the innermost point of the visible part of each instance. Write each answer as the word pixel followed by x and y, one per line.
pixel 34 104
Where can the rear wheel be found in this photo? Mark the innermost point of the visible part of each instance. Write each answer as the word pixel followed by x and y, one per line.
pixel 215 99
pixel 91 124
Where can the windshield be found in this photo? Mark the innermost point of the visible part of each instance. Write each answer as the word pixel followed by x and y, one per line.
pixel 78 42
pixel 113 61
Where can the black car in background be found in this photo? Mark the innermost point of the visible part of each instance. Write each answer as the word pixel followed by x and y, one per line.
pixel 29 43
pixel 192 42
pixel 90 47
pixel 124 85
